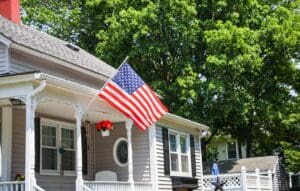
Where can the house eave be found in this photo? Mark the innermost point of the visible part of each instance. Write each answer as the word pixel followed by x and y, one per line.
pixel 177 120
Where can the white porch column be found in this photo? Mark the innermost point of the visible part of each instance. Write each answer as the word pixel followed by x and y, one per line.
pixel 30 179
pixel 153 156
pixel 31 103
pixel 79 112
pixel 129 124
pixel 6 144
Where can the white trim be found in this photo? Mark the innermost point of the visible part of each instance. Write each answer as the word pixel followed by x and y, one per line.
pixel 115 152
pixel 6 143
pixel 153 156
pixel 180 173
pixel 5 40
pixel 58 125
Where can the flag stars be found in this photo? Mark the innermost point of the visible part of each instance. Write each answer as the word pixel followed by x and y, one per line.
pixel 127 79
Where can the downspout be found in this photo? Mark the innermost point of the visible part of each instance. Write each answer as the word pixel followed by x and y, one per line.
pixel 30 180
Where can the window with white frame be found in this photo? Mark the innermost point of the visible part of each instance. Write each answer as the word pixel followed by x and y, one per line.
pixel 179 147
pixel 57 147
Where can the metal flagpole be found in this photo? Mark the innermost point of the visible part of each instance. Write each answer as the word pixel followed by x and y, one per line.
pixel 93 99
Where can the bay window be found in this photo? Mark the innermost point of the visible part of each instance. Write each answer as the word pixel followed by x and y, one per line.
pixel 179 147
pixel 57 147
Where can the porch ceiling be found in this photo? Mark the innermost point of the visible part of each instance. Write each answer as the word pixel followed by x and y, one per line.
pixel 60 97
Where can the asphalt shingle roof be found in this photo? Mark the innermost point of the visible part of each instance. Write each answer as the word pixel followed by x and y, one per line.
pixel 47 44
pixel 234 166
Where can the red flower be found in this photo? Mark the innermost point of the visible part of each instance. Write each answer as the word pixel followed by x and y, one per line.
pixel 104 125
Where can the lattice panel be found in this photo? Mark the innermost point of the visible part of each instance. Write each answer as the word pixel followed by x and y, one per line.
pixel 232 181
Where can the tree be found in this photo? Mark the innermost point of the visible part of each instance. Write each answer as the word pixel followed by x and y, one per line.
pixel 230 64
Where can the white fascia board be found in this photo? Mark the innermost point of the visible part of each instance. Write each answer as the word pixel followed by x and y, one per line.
pixel 5 40
pixel 19 78
pixel 73 86
pixel 172 119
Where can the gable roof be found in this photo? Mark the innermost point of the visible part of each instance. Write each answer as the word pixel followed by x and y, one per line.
pixel 46 44
pixel 234 166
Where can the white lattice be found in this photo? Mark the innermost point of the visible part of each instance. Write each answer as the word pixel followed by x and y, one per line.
pixel 231 181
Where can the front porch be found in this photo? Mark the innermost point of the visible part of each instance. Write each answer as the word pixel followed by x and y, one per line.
pixel 49 136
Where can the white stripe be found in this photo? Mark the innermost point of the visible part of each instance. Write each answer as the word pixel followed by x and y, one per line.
pixel 120 105
pixel 127 103
pixel 161 110
pixel 136 104
pixel 153 110
pixel 149 111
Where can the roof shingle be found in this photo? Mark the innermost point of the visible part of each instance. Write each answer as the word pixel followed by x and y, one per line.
pixel 47 44
pixel 234 166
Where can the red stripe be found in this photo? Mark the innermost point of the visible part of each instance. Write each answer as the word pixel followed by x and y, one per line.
pixel 122 100
pixel 113 102
pixel 154 100
pixel 147 102
pixel 144 104
pixel 129 99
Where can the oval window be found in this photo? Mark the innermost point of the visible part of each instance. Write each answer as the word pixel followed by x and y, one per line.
pixel 120 152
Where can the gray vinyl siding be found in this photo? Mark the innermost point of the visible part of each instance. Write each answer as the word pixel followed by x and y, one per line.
pixel 49 183
pixel 103 155
pixel 140 144
pixel 198 157
pixel 164 181
pixel 3 59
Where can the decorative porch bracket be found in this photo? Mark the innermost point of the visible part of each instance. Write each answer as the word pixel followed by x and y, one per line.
pixel 79 112
pixel 129 124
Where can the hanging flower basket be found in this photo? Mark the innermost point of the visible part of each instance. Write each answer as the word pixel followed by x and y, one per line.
pixel 104 127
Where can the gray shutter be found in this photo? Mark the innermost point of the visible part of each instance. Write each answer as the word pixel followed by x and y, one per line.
pixel 165 136
pixel 84 151
pixel 193 159
pixel 37 130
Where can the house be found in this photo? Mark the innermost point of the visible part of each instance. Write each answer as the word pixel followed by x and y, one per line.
pixel 48 129
pixel 231 158
pixel 224 147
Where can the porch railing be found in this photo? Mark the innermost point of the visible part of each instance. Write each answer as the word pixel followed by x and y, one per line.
pixel 37 188
pixel 118 186
pixel 12 186
pixel 241 181
pixel 233 181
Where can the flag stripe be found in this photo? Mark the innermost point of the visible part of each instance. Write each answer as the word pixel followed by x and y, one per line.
pixel 138 96
pixel 147 102
pixel 121 98
pixel 132 101
pixel 106 96
pixel 154 101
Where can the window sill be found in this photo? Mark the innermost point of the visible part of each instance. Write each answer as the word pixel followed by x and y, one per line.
pixel 177 174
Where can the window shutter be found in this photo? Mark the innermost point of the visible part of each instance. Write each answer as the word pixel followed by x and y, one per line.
pixel 37 144
pixel 165 136
pixel 193 159
pixel 84 151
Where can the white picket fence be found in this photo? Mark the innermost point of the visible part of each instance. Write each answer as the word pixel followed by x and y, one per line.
pixel 241 181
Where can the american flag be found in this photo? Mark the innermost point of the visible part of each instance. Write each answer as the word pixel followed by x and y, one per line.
pixel 128 93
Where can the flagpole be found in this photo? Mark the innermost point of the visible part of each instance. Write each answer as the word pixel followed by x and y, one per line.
pixel 93 99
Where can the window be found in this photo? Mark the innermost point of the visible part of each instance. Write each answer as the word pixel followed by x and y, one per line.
pixel 120 152
pixel 179 147
pixel 231 150
pixel 57 147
